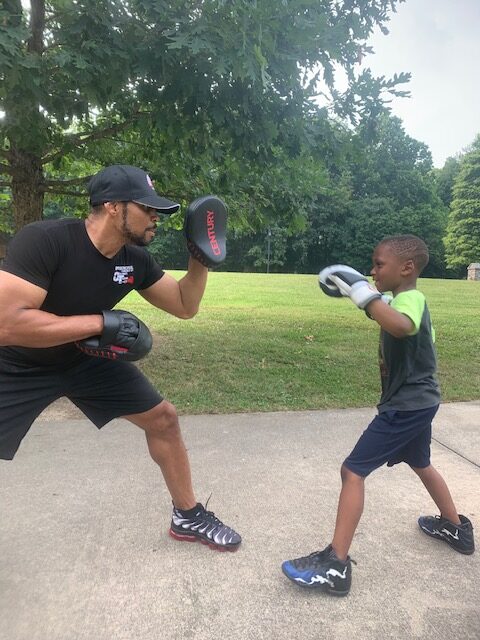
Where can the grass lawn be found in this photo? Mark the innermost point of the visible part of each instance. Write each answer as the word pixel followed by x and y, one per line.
pixel 275 342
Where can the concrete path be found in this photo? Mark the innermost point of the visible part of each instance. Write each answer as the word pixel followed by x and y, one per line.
pixel 85 555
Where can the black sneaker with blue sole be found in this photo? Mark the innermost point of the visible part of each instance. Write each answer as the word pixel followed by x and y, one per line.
pixel 457 536
pixel 321 570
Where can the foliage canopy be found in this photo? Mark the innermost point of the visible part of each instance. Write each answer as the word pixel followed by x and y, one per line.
pixel 462 242
pixel 77 73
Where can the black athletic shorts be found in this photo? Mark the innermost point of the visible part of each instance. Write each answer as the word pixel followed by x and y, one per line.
pixel 393 437
pixel 102 389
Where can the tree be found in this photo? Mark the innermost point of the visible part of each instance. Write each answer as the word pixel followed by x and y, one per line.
pixel 445 178
pixel 75 74
pixel 379 185
pixel 393 193
pixel 462 241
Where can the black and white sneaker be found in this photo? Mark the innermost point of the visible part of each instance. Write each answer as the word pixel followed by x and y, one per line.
pixel 321 570
pixel 200 525
pixel 458 536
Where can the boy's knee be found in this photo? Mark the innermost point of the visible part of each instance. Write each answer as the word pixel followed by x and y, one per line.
pixel 349 476
pixel 421 471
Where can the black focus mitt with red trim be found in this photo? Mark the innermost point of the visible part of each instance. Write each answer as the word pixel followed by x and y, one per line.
pixel 124 337
pixel 205 229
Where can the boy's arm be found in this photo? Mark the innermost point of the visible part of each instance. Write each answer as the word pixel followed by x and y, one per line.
pixel 392 321
pixel 342 280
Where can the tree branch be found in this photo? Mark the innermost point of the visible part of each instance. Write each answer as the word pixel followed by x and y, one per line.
pixel 65 192
pixel 82 138
pixel 37 26
pixel 60 183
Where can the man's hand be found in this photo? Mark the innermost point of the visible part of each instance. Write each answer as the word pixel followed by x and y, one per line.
pixel 124 337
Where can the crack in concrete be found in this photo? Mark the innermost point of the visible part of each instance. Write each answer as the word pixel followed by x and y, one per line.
pixel 475 464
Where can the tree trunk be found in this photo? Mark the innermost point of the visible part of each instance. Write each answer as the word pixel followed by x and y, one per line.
pixel 27 188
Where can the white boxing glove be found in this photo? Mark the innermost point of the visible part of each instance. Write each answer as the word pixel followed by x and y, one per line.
pixel 328 286
pixel 341 280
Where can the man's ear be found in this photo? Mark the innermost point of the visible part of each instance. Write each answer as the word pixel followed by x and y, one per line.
pixel 111 208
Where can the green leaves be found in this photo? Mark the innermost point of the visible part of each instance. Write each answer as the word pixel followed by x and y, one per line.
pixel 220 84
pixel 462 242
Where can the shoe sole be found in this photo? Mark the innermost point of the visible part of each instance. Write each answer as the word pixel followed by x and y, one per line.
pixel 467 552
pixel 207 543
pixel 323 588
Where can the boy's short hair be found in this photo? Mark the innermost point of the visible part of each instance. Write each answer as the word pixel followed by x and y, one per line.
pixel 409 247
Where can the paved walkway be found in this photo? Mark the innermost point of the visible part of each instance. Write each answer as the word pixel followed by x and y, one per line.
pixel 85 555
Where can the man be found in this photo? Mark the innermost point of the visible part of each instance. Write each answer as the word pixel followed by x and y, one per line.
pixel 57 285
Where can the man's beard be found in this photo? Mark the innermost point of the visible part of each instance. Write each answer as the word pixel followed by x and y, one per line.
pixel 130 237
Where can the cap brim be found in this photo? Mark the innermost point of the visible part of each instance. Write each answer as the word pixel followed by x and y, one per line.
pixel 156 202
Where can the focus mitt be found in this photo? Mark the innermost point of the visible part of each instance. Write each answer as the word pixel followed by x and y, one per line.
pixel 205 229
pixel 124 337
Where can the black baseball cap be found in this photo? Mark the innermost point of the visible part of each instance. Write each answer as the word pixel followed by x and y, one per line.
pixel 123 183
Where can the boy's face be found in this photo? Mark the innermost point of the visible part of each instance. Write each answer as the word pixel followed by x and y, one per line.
pixel 389 271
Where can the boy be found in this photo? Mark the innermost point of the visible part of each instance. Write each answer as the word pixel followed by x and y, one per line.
pixel 401 432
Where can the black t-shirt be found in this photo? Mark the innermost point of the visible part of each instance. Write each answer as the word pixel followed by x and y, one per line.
pixel 408 365
pixel 59 256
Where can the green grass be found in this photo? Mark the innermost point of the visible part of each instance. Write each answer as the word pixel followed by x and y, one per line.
pixel 275 342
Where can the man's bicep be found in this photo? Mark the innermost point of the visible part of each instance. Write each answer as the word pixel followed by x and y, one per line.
pixel 17 293
pixel 164 294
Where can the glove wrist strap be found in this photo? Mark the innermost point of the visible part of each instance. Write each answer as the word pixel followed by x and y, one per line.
pixel 111 325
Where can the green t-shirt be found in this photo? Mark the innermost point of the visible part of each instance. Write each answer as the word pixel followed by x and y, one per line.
pixel 408 365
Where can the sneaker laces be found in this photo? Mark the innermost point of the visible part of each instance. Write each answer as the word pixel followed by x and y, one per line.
pixel 321 556
pixel 212 518
pixel 211 514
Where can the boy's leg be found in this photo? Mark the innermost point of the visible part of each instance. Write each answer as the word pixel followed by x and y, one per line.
pixel 438 489
pixel 450 527
pixel 349 511
pixel 331 570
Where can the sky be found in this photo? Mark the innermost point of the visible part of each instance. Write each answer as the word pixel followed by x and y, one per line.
pixel 438 42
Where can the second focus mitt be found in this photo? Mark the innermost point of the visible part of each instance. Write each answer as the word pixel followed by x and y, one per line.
pixel 124 337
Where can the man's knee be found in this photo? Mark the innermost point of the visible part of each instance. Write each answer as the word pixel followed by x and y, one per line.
pixel 163 420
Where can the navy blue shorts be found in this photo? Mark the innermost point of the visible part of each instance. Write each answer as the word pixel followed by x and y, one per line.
pixel 393 437
pixel 102 389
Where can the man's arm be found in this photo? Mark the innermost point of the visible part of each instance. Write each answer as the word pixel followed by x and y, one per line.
pixel 179 298
pixel 22 324
pixel 392 321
